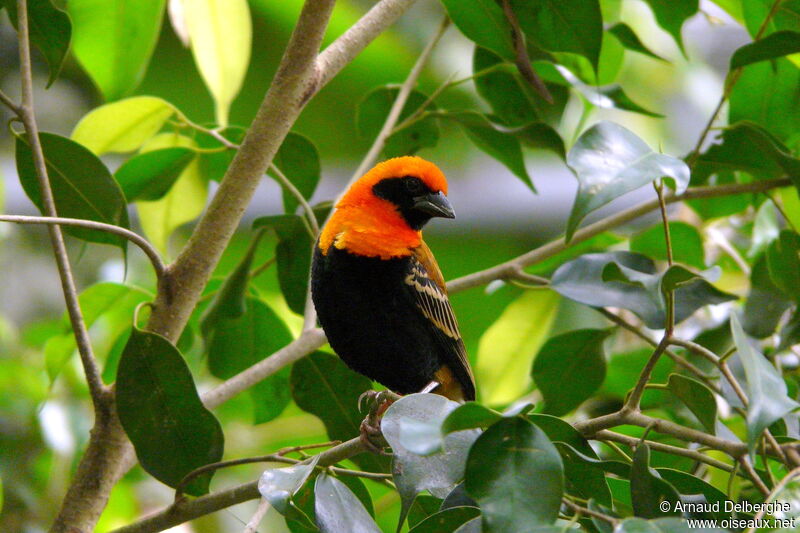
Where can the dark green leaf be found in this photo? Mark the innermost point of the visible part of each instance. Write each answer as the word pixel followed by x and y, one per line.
pixel 778 44
pixel 113 41
pixel 446 521
pixel 439 472
pixel 471 415
pixel 237 343
pixel 697 397
pixel 765 302
pixel 213 164
pixel 473 526
pixel 150 175
pixel 515 473
pixel 458 497
pixel 278 485
pixel 569 368
pixel 424 506
pixel 373 110
pixel 766 94
pixel 786 16
pixel 158 406
pixel 630 40
pixel 563 26
pixel 298 159
pixel 687 244
pixel 687 484
pixel 50 30
pixel 648 490
pixel 618 468
pixel 584 474
pixel 500 145
pixel 627 280
pixel 607 97
pixel 337 508
pixel 784 263
pixel 82 186
pixel 609 161
pixel 765 387
pixel 322 385
pixel 671 14
pixel 790 333
pixel 483 22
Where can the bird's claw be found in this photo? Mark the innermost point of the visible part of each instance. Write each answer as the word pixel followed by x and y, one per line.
pixel 370 432
pixel 376 402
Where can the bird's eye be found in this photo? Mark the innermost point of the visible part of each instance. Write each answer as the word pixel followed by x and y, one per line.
pixel 413 185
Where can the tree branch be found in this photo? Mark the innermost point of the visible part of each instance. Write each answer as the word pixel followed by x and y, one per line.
pixel 143 244
pixel 9 103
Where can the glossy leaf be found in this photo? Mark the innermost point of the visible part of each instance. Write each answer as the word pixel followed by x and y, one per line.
pixel 766 94
pixel 784 263
pixel 778 44
pixel 373 110
pixel 765 303
pixel 483 22
pixel 122 126
pixel 322 385
pixel 158 406
pixel 114 39
pixel 627 280
pixel 648 490
pixel 82 186
pixel 687 484
pixel 439 472
pixel 697 397
pixel 631 41
pixel 469 416
pixel 585 474
pixel 569 368
pixel 609 161
pixel 765 387
pixel 220 33
pixel 183 203
pixel 458 497
pixel 515 473
pixel 149 176
pixel 424 506
pixel 337 508
pixel 446 521
pixel 765 229
pixel 671 14
pixel 563 26
pixel 500 145
pixel 606 97
pixel 507 348
pixel 50 30
pixel 278 485
pixel 298 159
pixel 687 244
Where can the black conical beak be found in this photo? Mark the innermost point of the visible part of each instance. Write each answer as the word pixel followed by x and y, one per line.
pixel 435 205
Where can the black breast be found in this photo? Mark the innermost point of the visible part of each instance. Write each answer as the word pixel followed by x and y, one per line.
pixel 371 320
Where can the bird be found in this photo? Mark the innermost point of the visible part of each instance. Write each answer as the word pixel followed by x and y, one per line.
pixel 379 294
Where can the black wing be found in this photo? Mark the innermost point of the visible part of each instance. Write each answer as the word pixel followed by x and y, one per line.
pixel 426 285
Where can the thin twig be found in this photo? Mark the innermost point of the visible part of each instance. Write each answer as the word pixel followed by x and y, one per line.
pixel 522 60
pixel 636 395
pixel 588 512
pixel 258 516
pixel 9 103
pixel 143 244
pixel 286 182
pixel 753 475
pixel 771 497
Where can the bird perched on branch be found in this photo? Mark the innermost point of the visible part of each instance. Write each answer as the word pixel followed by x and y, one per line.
pixel 377 289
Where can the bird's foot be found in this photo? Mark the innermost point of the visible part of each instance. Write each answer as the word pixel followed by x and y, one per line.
pixel 378 402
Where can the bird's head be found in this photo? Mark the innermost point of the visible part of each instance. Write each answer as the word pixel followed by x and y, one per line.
pixel 411 186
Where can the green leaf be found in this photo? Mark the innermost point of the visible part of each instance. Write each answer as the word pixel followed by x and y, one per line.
pixel 50 31
pixel 607 97
pixel 337 508
pixel 778 44
pixel 483 22
pixel 215 162
pixel 765 229
pixel 373 110
pixel 183 203
pixel 687 244
pixel 687 484
pixel 82 186
pixel 507 348
pixel 322 385
pixel 784 263
pixel 648 490
pixel 563 26
pixel 114 39
pixel 765 303
pixel 609 161
pixel 671 14
pixel 220 33
pixel 627 280
pixel 446 521
pixel 149 176
pixel 298 159
pixel 767 95
pixel 697 397
pixel 559 363
pixel 158 406
pixel 424 506
pixel 469 416
pixel 631 41
pixel 438 473
pixel 278 485
pixel 515 473
pixel 500 145
pixel 235 344
pixel 764 386
pixel 122 126
pixel 785 16
pixel 584 474
pixel 790 332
